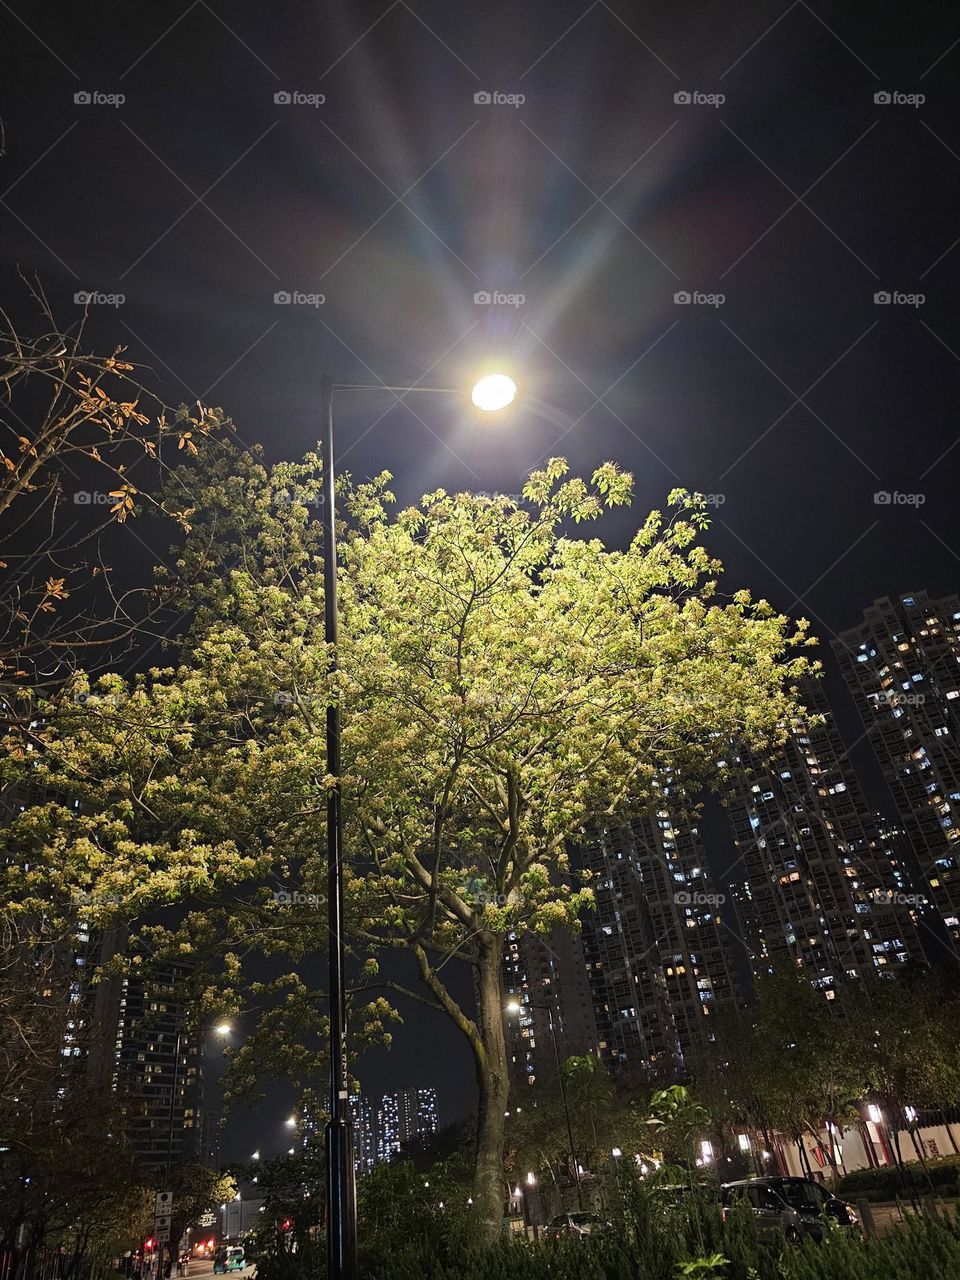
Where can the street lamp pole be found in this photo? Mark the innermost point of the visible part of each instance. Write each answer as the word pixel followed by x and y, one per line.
pixel 515 1006
pixel 493 392
pixel 566 1106
pixel 341 1179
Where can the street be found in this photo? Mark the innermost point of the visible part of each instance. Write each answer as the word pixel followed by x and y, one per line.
pixel 204 1267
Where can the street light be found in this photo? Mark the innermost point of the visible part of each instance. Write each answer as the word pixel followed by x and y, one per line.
pixel 514 1006
pixel 491 392
pixel 494 392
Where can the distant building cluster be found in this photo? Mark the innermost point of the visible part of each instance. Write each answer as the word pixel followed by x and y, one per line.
pixel 819 881
pixel 401 1117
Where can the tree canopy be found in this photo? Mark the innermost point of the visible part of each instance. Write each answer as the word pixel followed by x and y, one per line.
pixel 503 683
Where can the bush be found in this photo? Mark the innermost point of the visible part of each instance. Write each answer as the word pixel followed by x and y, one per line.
pixel 405 1236
pixel 886 1183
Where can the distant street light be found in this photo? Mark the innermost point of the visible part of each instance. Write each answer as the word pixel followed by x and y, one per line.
pixel 490 393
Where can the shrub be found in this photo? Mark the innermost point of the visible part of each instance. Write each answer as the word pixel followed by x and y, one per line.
pixel 886 1183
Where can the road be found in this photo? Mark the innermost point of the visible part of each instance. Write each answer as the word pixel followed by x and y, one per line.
pixel 204 1267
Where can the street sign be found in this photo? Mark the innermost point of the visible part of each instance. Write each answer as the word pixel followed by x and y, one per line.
pixel 207 1220
pixel 162 1234
pixel 164 1203
pixel 161 1223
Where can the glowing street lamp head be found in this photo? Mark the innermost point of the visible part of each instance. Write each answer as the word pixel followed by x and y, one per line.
pixel 494 391
pixel 513 1006
pixel 223 1029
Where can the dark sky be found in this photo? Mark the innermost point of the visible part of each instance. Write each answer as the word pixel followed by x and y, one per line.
pixel 597 199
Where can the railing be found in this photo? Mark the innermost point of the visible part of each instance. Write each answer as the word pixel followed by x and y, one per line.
pixel 48 1264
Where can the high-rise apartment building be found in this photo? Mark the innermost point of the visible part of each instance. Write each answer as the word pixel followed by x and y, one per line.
pixel 547 978
pixel 902 665
pixel 815 883
pixel 656 948
pixel 158 1071
pixel 403 1116
pixel 364 1119
pixel 125 1036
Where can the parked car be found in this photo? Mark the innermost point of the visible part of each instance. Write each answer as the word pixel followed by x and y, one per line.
pixel 574 1224
pixel 671 1194
pixel 798 1207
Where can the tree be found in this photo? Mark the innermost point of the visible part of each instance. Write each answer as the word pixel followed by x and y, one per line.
pixel 809 1068
pixel 84 449
pixel 503 684
pixel 905 1029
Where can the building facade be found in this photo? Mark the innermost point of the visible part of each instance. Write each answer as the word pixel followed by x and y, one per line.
pixel 656 948
pixel 158 1071
pixel 548 1004
pixel 816 883
pixel 364 1118
pixel 124 1038
pixel 902 665
pixel 404 1116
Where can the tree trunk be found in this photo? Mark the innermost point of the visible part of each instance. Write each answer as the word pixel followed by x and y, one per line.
pixel 490 1058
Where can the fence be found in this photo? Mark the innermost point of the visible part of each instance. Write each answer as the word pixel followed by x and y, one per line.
pixel 48 1264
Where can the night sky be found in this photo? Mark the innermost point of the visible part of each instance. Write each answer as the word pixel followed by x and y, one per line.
pixel 619 156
